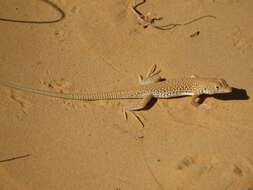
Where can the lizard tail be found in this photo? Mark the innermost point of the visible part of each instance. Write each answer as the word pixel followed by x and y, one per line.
pixel 70 96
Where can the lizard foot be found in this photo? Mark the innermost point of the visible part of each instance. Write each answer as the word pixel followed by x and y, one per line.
pixel 136 116
pixel 152 76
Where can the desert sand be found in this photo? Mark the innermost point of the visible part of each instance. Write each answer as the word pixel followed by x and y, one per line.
pixel 54 144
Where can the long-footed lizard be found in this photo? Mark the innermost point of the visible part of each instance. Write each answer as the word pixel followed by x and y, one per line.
pixel 151 87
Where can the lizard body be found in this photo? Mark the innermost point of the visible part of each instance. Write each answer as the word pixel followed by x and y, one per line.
pixel 164 89
pixel 151 87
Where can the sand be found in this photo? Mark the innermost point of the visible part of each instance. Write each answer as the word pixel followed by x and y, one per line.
pixel 49 143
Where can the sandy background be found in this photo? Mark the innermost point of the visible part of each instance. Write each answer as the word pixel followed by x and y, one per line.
pixel 99 45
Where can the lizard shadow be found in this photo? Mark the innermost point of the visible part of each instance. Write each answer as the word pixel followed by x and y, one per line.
pixel 236 94
pixel 151 104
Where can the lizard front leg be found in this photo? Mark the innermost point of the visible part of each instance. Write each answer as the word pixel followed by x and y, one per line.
pixel 194 101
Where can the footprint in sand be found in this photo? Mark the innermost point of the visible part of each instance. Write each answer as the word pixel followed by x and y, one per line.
pixel 186 162
pixel 237 170
pixel 24 104
pixel 241 41
pixel 244 167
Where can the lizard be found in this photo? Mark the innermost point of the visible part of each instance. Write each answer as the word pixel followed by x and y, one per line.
pixel 151 86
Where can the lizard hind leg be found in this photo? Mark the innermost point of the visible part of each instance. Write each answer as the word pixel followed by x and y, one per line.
pixel 152 76
pixel 137 107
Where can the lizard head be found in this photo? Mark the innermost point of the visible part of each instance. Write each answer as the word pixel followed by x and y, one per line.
pixel 213 86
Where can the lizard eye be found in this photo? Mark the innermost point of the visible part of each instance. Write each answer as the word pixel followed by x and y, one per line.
pixel 217 87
